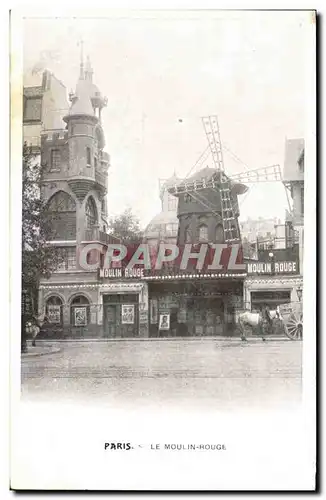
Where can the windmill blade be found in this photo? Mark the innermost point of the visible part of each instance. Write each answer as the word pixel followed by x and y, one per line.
pixel 263 174
pixel 212 131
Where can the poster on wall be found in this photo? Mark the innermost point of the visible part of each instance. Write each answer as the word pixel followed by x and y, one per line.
pixel 80 316
pixel 53 314
pixel 127 314
pixel 143 314
pixel 164 322
pixel 154 311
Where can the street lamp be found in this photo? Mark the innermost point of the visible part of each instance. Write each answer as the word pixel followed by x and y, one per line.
pixel 299 293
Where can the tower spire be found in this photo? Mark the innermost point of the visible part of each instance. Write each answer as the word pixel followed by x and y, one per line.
pixel 88 70
pixel 81 75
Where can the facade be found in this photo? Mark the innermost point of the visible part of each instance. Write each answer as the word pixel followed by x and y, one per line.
pixel 80 303
pixel 277 276
pixel 92 303
pixel 205 302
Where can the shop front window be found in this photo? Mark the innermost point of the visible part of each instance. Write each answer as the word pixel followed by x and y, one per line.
pixel 54 310
pixel 80 311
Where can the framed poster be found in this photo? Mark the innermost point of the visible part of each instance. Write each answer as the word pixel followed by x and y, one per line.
pixel 80 314
pixel 164 322
pixel 127 314
pixel 54 314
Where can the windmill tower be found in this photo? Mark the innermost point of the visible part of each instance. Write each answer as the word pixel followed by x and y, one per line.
pixel 208 207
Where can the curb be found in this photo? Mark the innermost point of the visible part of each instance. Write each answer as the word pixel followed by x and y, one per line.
pixel 28 354
pixel 166 339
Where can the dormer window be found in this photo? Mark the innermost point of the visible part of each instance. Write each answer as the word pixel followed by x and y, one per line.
pixel 88 157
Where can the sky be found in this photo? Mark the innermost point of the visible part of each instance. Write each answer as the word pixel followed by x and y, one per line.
pixel 162 72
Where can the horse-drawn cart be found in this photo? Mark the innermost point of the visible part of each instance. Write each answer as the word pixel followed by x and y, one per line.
pixel 292 316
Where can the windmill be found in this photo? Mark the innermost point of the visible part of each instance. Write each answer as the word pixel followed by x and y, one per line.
pixel 228 186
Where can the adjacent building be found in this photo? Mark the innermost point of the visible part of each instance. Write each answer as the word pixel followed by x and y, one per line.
pixel 276 276
pixel 44 106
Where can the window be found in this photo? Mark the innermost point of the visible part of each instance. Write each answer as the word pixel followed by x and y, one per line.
pixel 187 198
pixel 55 159
pixel 103 206
pixel 62 202
pixel 54 310
pixel 79 311
pixel 62 216
pixel 95 162
pixel 172 203
pixel 91 217
pixel 32 109
pixel 302 201
pixel 219 234
pixel 203 233
pixel 88 157
pixel 68 261
pixel 187 235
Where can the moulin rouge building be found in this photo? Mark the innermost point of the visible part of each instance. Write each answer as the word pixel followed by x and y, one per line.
pixel 95 303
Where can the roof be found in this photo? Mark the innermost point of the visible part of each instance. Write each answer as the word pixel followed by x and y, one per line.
pixel 294 149
pixel 161 219
pixel 171 181
pixel 82 104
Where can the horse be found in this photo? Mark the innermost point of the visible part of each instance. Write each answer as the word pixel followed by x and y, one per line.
pixel 248 318
pixel 34 326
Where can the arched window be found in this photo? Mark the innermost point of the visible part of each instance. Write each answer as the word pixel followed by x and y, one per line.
pixel 79 311
pixel 54 310
pixel 187 234
pixel 61 202
pixel 219 234
pixel 203 232
pixel 62 216
pixel 90 212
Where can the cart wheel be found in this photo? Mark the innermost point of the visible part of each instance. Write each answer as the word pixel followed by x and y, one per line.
pixel 294 326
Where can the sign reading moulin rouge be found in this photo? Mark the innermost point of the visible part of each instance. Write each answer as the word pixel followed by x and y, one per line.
pixel 273 267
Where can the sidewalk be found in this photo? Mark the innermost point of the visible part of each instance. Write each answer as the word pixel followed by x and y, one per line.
pixel 39 350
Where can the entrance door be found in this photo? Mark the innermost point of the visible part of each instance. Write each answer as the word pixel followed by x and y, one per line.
pixel 110 321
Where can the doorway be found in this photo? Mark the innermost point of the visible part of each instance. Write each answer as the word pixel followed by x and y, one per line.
pixel 120 316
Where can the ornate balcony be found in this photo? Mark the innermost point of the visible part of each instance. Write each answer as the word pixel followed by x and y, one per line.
pixel 101 178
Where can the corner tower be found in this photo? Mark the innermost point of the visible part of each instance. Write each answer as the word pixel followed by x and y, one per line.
pixel 88 164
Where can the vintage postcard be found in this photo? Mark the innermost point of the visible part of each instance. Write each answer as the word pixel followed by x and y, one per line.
pixel 163 200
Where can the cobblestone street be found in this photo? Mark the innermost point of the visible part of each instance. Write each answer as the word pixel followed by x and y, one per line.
pixel 219 373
